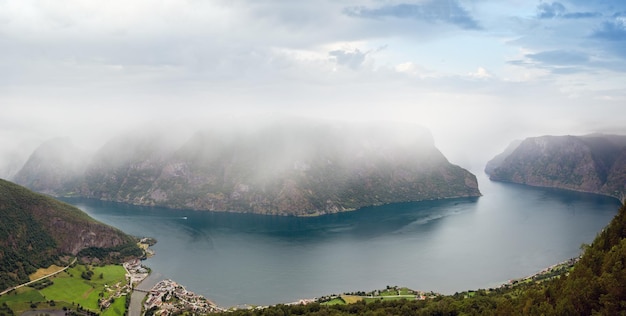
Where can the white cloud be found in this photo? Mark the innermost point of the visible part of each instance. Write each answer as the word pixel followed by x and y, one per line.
pixel 74 67
pixel 480 73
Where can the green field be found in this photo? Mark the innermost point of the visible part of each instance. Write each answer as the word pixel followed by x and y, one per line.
pixel 70 290
pixel 117 308
pixel 387 298
pixel 388 294
pixel 335 301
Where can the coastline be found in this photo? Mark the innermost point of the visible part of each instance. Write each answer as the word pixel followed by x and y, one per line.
pixel 304 214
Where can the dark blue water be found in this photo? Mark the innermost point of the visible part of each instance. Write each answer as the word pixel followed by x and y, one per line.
pixel 444 246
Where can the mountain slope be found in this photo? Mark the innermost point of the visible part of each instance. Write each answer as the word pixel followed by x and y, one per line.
pixel 35 230
pixel 289 168
pixel 55 165
pixel 594 163
pixel 297 167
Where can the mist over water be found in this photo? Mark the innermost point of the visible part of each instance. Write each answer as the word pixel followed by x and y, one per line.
pixel 444 246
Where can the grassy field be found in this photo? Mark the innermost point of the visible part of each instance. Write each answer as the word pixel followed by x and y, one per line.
pixel 335 301
pixel 21 295
pixel 349 299
pixel 70 290
pixel 44 271
pixel 395 293
pixel 71 287
pixel 117 308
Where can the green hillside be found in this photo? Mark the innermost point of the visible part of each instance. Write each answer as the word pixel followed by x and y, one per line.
pixel 35 230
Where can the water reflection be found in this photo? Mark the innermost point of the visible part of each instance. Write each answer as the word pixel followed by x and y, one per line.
pixel 366 223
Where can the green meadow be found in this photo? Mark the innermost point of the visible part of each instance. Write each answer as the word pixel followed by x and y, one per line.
pixel 71 289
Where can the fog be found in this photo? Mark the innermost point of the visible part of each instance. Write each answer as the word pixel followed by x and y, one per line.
pixel 478 75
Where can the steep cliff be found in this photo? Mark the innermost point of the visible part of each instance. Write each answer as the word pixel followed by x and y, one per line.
pixel 593 163
pixel 298 167
pixel 36 229
pixel 499 158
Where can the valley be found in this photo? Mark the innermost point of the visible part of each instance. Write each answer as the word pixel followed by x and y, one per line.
pixel 287 249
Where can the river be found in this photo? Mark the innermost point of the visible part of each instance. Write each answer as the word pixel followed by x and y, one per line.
pixel 443 246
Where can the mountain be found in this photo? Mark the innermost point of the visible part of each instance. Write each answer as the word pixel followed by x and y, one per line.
pixel 498 159
pixel 13 157
pixel 35 230
pixel 593 163
pixel 56 165
pixel 297 167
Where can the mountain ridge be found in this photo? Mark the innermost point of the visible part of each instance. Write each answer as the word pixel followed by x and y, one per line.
pixel 302 167
pixel 593 163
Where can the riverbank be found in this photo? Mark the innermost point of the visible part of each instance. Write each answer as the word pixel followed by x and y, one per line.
pixel 140 291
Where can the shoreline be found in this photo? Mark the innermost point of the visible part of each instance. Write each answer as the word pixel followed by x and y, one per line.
pixel 545 274
pixel 157 292
pixel 315 213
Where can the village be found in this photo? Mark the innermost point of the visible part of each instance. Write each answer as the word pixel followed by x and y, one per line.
pixel 168 297
pixel 135 272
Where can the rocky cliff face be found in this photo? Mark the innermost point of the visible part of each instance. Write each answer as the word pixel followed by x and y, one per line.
pixel 36 229
pixel 593 163
pixel 70 228
pixel 499 159
pixel 286 168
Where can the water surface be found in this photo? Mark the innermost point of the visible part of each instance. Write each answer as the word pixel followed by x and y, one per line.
pixel 444 246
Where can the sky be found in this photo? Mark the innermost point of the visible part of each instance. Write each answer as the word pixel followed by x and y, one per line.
pixel 478 74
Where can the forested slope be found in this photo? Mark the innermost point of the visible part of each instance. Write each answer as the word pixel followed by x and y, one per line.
pixel 36 229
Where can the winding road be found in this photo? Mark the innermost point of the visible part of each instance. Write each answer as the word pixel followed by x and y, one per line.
pixel 36 280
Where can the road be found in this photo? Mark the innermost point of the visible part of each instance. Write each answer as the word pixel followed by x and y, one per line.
pixel 36 280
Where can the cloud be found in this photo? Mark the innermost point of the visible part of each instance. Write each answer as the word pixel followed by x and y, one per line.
pixel 567 62
pixel 569 37
pixel 550 10
pixel 558 10
pixel 560 57
pixel 113 64
pixel 480 73
pixel 611 36
pixel 612 30
pixel 447 11
pixel 352 59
